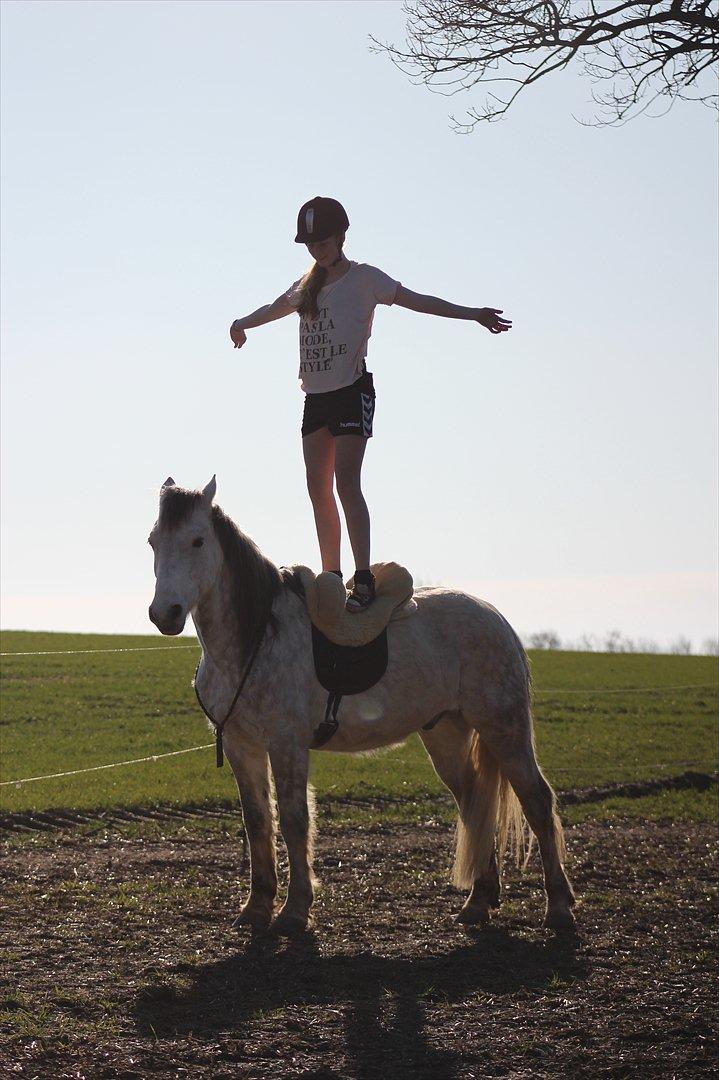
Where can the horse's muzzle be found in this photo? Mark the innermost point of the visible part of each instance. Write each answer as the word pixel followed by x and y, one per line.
pixel 172 622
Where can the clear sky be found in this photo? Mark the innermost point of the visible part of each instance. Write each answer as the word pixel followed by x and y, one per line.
pixel 154 157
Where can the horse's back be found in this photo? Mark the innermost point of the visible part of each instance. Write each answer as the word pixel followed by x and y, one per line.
pixel 490 654
pixel 468 613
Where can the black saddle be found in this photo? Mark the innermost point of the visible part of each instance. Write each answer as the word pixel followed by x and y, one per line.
pixel 345 669
pixel 340 669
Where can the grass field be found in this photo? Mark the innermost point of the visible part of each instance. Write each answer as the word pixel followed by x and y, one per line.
pixel 123 956
pixel 601 719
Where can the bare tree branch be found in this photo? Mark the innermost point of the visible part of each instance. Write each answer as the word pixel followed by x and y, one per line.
pixel 646 50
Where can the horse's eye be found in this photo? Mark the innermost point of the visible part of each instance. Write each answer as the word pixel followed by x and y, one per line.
pixel 198 542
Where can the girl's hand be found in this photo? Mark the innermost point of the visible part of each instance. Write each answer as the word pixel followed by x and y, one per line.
pixel 489 317
pixel 238 335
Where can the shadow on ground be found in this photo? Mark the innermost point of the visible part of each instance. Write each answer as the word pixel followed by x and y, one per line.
pixel 381 1002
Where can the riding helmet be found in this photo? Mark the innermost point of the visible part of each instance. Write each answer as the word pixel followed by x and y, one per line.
pixel 319 219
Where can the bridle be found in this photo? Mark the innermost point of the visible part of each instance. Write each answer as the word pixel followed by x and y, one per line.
pixel 219 727
pixel 293 582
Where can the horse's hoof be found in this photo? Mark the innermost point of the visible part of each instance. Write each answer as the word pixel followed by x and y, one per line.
pixel 289 924
pixel 257 918
pixel 473 916
pixel 560 919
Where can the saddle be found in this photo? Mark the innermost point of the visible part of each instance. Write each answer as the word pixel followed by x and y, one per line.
pixel 351 650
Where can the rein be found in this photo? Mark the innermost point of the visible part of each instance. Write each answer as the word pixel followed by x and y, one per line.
pixel 219 727
pixel 292 580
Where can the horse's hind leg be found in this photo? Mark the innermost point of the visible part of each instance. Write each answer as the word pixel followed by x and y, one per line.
pixel 251 769
pixel 449 746
pixel 290 767
pixel 539 804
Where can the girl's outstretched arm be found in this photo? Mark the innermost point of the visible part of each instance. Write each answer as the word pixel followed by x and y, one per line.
pixel 432 305
pixel 268 313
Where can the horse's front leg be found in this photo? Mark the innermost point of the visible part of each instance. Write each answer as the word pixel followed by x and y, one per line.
pixel 290 766
pixel 251 768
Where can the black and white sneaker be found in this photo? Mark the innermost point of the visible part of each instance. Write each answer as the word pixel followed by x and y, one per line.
pixel 360 598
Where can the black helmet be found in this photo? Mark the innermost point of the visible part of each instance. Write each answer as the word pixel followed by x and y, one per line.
pixel 319 219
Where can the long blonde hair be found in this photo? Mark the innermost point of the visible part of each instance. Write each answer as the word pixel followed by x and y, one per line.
pixel 311 284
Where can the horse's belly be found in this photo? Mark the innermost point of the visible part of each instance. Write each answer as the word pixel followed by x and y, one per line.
pixel 372 720
pixel 421 681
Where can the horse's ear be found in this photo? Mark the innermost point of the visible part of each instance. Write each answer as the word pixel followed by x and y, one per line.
pixel 209 492
pixel 168 483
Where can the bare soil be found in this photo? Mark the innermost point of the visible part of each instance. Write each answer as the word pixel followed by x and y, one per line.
pixel 122 961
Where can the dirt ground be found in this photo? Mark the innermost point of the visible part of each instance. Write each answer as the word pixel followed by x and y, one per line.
pixel 122 961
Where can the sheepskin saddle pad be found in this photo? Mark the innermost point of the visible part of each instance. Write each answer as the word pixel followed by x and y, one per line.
pixel 326 596
pixel 350 650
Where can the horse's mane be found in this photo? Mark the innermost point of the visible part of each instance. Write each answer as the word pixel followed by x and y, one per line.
pixel 256 581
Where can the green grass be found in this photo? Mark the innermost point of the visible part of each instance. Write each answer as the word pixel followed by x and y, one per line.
pixel 66 712
pixel 673 805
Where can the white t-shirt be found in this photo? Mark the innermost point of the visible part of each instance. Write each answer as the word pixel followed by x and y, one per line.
pixel 333 346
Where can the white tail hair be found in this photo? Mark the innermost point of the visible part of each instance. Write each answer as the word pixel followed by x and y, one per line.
pixel 489 811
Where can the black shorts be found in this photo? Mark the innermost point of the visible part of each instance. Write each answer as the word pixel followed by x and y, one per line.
pixel 347 411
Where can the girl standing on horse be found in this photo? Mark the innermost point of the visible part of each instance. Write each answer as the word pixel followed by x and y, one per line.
pixel 335 301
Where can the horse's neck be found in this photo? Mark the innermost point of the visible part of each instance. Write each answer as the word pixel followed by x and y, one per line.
pixel 217 628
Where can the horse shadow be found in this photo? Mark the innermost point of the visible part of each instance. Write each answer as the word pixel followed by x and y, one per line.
pixel 381 1002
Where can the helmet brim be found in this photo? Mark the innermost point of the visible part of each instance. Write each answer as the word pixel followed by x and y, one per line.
pixel 300 239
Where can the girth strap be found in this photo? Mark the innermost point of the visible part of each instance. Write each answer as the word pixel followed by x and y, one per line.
pixel 330 723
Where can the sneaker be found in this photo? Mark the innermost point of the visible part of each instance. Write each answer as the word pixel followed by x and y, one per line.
pixel 360 598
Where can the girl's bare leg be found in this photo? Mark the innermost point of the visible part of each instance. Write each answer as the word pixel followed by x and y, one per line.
pixel 319 453
pixel 348 457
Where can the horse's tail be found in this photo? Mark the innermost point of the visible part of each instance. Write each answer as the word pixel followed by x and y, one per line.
pixel 489 810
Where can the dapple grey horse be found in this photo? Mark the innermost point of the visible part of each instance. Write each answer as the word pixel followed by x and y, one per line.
pixel 455 664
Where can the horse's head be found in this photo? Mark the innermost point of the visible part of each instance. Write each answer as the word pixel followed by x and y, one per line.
pixel 188 556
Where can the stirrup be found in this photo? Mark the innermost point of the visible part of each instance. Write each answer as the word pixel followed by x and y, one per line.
pixel 360 598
